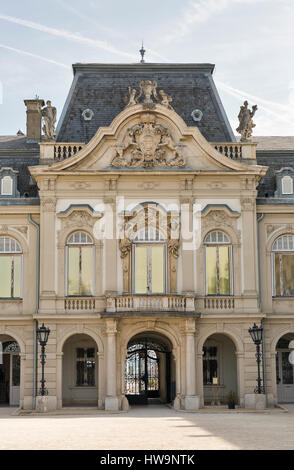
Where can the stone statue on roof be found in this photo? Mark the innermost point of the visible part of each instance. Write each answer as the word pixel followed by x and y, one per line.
pixel 49 118
pixel 246 123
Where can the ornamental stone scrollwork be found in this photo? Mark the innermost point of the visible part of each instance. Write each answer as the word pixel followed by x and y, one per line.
pixel 146 94
pixel 77 218
pixel 246 123
pixel 270 228
pixel 125 246
pixel 148 145
pixel 221 219
pixel 173 247
pixel 22 229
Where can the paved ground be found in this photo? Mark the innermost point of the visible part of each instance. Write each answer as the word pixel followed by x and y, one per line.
pixel 151 427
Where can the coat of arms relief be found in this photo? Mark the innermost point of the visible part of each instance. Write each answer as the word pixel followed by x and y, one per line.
pixel 148 144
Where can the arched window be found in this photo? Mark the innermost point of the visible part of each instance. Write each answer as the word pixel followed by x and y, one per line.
pixel 283 266
pixel 80 253
pixel 10 268
pixel 149 265
pixel 218 255
pixel 6 186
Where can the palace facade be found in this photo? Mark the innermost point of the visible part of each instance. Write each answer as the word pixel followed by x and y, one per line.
pixel 149 240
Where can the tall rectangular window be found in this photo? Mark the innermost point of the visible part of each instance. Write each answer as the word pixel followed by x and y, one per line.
pixel 149 269
pixel 79 264
pixel 10 276
pixel 284 274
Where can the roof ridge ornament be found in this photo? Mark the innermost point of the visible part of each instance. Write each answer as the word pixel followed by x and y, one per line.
pixel 142 52
pixel 148 92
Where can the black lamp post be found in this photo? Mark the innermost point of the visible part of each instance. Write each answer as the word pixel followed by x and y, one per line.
pixel 42 335
pixel 256 333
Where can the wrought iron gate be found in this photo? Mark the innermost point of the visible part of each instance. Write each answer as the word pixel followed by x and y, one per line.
pixel 142 370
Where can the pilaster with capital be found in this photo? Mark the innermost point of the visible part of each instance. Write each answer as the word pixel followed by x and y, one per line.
pixel 249 245
pixel 191 399
pixel 47 241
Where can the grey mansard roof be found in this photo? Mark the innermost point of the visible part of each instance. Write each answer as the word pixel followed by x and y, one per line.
pixel 276 152
pixel 103 87
pixel 17 153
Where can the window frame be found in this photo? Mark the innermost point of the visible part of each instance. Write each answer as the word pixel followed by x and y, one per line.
pixel 290 179
pixel 159 241
pixel 231 264
pixel 281 251
pixel 67 246
pixel 14 253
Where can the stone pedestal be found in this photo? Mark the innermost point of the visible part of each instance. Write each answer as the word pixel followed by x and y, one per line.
pixel 255 401
pixel 46 403
pixel 177 403
pixel 192 402
pixel 111 404
pixel 42 404
pixel 125 404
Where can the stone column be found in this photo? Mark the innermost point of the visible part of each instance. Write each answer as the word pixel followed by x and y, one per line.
pixel 111 399
pixel 191 399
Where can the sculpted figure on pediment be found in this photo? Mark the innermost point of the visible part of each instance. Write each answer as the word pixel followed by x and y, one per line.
pixel 147 95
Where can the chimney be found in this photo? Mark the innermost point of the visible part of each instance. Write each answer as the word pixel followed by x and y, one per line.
pixel 34 119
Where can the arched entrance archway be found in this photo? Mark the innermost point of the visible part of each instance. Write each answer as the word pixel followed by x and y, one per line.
pixel 219 369
pixel 9 371
pixel 80 371
pixel 149 370
pixel 285 368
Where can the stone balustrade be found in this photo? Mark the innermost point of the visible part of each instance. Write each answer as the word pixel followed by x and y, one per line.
pixel 216 303
pixel 58 151
pixel 150 303
pixel 236 150
pixel 78 304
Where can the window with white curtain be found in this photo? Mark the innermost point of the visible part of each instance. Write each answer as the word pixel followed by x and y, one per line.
pixel 80 265
pixel 283 266
pixel 218 255
pixel 10 268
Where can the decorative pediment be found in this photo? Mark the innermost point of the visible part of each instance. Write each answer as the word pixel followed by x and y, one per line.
pixel 221 217
pixel 79 216
pixel 148 134
pixel 148 144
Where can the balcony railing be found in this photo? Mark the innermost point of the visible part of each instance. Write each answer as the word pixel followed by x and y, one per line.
pixel 150 303
pixel 78 304
pixel 216 304
pixel 58 151
pixel 236 150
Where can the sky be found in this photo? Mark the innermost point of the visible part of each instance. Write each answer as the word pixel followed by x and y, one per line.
pixel 251 43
